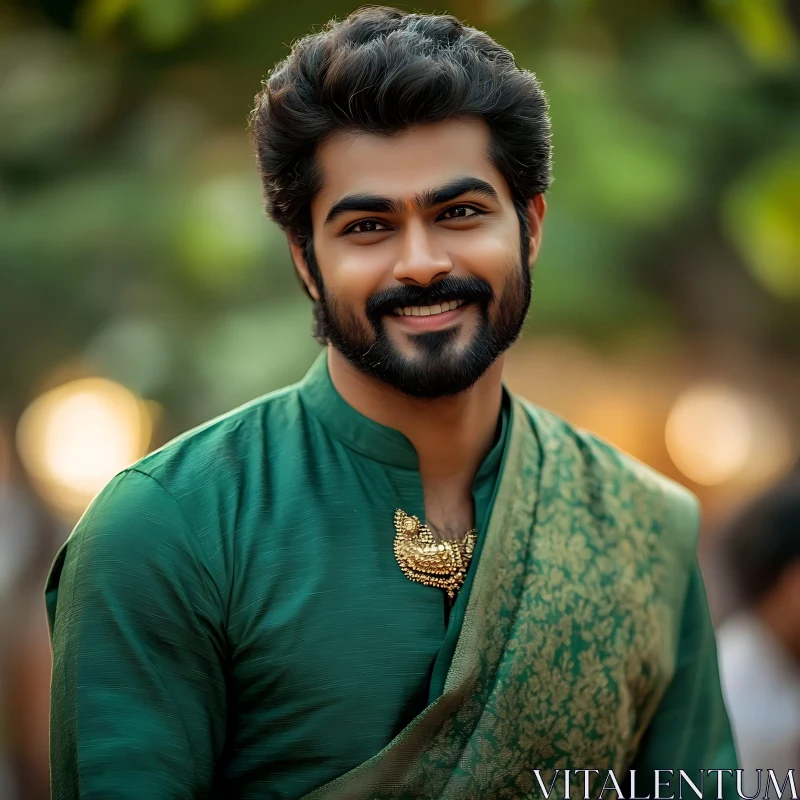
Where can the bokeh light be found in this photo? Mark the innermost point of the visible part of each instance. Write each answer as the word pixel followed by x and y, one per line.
pixel 716 434
pixel 73 439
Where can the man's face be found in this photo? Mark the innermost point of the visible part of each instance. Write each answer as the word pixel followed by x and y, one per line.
pixel 418 246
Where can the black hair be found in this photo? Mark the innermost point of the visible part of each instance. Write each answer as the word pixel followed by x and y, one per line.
pixel 763 540
pixel 382 70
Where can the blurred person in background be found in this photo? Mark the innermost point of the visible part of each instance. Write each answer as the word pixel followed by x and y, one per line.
pixel 257 609
pixel 759 643
pixel 29 538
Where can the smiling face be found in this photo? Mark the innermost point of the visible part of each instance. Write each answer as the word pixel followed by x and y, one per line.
pixel 423 266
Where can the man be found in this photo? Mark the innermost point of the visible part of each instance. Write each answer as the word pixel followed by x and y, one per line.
pixel 393 579
pixel 759 644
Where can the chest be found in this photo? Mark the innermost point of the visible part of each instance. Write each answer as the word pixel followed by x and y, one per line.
pixel 332 647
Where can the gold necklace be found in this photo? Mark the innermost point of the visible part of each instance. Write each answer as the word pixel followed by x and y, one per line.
pixel 442 563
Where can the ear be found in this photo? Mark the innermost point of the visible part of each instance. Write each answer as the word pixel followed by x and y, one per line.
pixel 301 265
pixel 536 210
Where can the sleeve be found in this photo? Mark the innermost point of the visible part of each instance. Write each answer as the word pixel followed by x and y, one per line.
pixel 690 730
pixel 138 691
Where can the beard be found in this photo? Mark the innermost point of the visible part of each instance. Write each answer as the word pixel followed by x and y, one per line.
pixel 441 366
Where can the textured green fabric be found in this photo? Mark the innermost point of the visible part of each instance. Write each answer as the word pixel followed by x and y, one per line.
pixel 586 642
pixel 228 618
pixel 229 622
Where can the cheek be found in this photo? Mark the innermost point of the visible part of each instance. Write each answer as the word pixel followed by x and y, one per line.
pixel 489 258
pixel 355 274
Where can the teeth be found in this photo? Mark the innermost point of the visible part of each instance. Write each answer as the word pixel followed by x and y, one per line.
pixel 427 311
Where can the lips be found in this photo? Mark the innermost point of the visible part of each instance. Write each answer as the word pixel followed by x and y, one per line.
pixel 428 311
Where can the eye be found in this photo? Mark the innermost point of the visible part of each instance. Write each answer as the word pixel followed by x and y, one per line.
pixel 460 212
pixel 367 226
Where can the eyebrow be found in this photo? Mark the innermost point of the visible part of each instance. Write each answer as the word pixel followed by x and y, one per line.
pixel 428 199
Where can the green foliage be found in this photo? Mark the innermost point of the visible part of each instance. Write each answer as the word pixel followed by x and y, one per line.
pixel 132 235
pixel 761 214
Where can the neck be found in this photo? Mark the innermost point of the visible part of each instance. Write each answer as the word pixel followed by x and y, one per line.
pixel 450 434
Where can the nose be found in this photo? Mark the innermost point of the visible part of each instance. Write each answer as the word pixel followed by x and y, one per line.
pixel 421 261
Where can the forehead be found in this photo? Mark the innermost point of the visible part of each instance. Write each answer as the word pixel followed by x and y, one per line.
pixel 407 163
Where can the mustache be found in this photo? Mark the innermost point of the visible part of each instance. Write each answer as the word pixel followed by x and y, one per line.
pixel 470 289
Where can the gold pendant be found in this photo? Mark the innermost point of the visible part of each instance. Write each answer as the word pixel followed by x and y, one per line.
pixel 442 564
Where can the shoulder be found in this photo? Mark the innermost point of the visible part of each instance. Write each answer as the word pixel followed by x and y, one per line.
pixel 178 502
pixel 223 446
pixel 208 470
pixel 132 535
pixel 618 490
pixel 132 521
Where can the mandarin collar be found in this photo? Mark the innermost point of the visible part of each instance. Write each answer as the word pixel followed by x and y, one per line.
pixel 367 437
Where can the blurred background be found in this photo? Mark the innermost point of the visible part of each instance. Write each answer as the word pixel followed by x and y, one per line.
pixel 142 291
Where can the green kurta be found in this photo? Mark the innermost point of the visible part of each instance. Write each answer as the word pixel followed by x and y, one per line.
pixel 229 611
pixel 228 619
